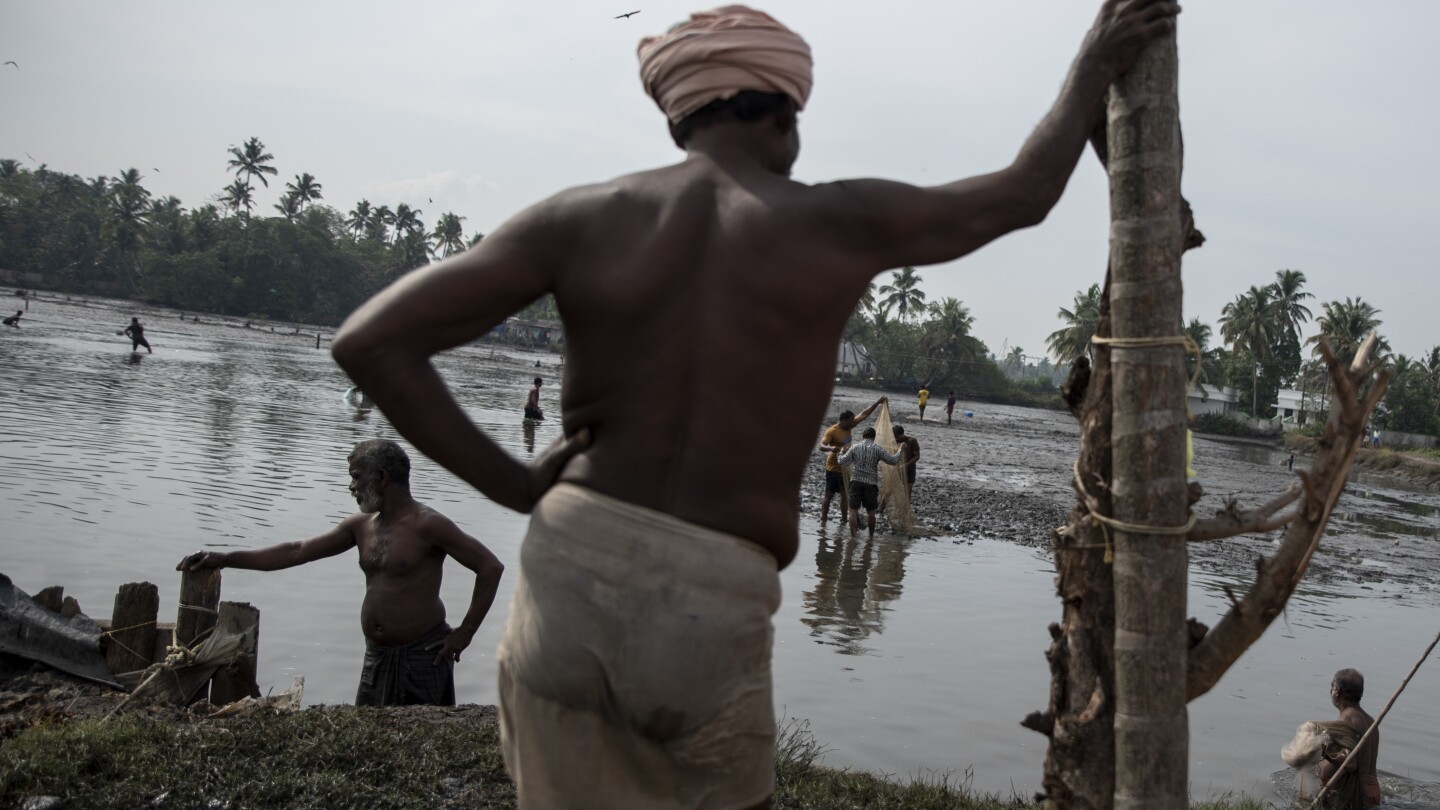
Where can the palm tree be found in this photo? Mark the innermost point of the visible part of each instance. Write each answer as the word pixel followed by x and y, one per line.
pixel 475 238
pixel 359 219
pixel 129 215
pixel 407 221
pixel 904 293
pixel 252 161
pixel 1344 326
pixel 1199 332
pixel 449 234
pixel 237 195
pixel 1074 340
pixel 305 190
pixel 1289 312
pixel 289 205
pixel 946 340
pixel 1249 324
pixel 380 220
pixel 9 168
pixel 1015 360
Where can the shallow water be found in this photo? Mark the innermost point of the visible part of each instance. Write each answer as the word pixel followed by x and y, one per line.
pixel 911 657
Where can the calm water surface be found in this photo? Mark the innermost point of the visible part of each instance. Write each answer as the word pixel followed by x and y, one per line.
pixel 910 657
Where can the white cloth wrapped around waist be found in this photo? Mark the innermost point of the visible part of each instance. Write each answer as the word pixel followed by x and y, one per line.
pixel 636 660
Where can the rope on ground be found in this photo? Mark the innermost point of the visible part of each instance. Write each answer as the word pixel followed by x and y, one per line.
pixel 1335 777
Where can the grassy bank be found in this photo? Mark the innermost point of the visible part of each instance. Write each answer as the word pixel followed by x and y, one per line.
pixel 1420 465
pixel 349 757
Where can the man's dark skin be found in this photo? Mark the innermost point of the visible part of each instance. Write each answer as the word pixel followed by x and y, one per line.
pixel 846 424
pixel 403 546
pixel 685 287
pixel 1360 720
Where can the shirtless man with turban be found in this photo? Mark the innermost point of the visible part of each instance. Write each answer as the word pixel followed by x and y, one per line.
pixel 635 669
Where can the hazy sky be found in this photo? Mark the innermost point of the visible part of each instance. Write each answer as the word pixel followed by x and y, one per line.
pixel 1304 121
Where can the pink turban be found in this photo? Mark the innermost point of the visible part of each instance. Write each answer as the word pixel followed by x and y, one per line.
pixel 719 53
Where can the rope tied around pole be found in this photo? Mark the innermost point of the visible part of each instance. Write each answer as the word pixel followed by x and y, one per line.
pixel 1091 503
pixel 1096 516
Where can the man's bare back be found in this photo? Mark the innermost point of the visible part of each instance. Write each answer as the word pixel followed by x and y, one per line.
pixel 687 291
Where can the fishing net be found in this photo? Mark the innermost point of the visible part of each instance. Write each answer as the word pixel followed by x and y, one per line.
pixel 894 499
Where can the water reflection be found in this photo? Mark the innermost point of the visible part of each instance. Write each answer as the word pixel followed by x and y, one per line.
pixel 529 435
pixel 855 580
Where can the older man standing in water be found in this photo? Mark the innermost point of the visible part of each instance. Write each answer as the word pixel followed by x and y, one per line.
pixel 1346 689
pixel 410 651
pixel 635 670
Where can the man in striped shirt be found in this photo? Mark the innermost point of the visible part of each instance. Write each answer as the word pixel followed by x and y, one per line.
pixel 865 478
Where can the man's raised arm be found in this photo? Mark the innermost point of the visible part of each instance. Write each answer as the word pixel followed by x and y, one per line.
pixel 281 555
pixel 386 345
pixel 865 414
pixel 898 224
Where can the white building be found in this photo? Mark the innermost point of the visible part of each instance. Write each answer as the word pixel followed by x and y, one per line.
pixel 1210 399
pixel 853 361
pixel 1288 402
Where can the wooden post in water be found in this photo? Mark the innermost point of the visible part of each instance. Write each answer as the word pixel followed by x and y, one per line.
pixel 199 599
pixel 238 680
pixel 132 627
pixel 50 598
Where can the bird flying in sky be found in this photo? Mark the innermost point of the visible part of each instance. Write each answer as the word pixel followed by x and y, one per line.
pixel 17 67
pixel 622 16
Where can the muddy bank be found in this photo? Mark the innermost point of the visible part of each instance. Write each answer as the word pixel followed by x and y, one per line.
pixel 1005 473
pixel 1413 470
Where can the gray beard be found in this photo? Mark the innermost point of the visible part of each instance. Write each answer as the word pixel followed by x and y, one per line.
pixel 369 501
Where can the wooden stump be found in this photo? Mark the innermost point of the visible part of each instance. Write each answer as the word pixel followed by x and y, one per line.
pixel 237 680
pixel 199 600
pixel 131 640
pixel 50 598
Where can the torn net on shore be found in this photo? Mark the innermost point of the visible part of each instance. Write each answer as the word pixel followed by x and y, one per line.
pixel 894 499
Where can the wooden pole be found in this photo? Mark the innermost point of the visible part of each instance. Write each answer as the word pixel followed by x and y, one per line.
pixel 1148 434
pixel 131 639
pixel 238 680
pixel 199 600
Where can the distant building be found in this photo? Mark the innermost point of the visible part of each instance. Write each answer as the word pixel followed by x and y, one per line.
pixel 1212 399
pixel 532 333
pixel 853 361
pixel 1288 404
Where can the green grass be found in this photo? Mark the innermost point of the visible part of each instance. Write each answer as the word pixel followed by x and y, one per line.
pixel 349 757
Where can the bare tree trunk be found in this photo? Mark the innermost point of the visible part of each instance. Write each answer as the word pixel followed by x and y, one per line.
pixel 1148 435
pixel 1080 718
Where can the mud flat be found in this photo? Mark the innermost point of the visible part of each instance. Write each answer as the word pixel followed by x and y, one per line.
pixel 1005 473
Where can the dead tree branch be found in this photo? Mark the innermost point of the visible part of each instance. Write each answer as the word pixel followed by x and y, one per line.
pixel 1278 576
pixel 1231 522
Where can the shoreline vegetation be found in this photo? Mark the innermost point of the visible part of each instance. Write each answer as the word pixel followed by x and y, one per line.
pixel 412 757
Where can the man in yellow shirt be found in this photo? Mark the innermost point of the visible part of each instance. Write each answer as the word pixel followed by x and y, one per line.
pixel 924 400
pixel 835 441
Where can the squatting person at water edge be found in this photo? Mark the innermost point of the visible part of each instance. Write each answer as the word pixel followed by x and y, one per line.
pixel 650 533
pixel 410 650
